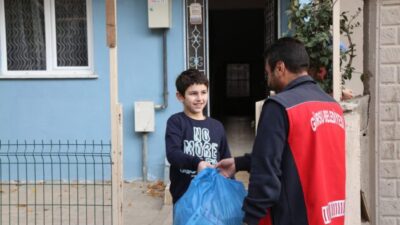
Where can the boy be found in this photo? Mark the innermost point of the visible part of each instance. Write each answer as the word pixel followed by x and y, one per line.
pixel 193 141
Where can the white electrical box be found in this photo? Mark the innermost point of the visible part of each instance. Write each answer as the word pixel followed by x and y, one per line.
pixel 159 13
pixel 144 116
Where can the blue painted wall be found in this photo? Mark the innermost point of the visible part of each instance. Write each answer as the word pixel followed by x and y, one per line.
pixel 140 75
pixel 79 109
pixel 66 109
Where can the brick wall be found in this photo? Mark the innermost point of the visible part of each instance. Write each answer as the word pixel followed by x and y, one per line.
pixel 388 192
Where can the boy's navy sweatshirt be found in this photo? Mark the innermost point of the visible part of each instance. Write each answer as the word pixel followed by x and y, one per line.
pixel 188 142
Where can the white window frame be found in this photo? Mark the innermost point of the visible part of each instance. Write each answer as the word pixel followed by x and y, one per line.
pixel 52 70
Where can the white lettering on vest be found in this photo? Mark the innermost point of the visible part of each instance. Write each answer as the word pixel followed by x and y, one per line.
pixel 333 210
pixel 326 116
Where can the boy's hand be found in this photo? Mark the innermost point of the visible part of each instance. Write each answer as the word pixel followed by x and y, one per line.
pixel 227 167
pixel 202 165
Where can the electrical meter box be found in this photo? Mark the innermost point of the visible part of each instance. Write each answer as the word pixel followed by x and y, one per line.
pixel 159 13
pixel 144 116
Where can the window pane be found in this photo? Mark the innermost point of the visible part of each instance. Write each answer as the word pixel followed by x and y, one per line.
pixel 237 80
pixel 25 35
pixel 71 32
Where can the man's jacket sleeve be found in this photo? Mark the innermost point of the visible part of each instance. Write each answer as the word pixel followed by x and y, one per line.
pixel 243 163
pixel 265 185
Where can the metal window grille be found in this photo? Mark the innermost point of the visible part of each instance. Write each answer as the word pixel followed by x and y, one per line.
pixel 55 183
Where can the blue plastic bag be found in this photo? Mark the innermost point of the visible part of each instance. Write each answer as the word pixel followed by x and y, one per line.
pixel 211 199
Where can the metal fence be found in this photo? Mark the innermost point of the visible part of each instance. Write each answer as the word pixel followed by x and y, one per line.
pixel 55 183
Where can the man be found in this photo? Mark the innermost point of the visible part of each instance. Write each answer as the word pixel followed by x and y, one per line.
pixel 297 165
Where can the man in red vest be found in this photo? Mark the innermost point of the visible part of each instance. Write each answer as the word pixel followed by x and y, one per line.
pixel 297 165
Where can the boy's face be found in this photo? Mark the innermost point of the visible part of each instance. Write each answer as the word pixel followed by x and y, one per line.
pixel 194 101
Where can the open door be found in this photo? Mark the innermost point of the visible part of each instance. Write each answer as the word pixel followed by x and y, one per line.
pixel 228 47
pixel 236 46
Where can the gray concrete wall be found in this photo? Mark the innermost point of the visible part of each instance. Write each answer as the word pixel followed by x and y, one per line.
pixel 352 118
pixel 357 156
pixel 383 62
pixel 369 162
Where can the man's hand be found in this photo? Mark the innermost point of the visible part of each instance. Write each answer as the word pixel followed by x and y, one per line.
pixel 347 94
pixel 202 165
pixel 227 167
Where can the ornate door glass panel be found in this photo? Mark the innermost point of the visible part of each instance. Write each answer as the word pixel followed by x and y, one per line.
pixel 196 39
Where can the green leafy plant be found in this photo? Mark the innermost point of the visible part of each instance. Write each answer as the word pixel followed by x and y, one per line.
pixel 311 23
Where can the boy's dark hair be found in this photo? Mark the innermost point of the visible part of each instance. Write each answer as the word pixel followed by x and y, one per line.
pixel 289 50
pixel 188 78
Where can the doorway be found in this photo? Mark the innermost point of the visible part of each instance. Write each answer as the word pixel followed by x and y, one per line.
pixel 236 72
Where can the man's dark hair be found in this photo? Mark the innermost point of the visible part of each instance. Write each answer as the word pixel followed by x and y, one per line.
pixel 188 78
pixel 290 51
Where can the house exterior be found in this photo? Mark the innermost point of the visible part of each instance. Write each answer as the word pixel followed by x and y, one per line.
pixel 55 82
pixel 70 103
